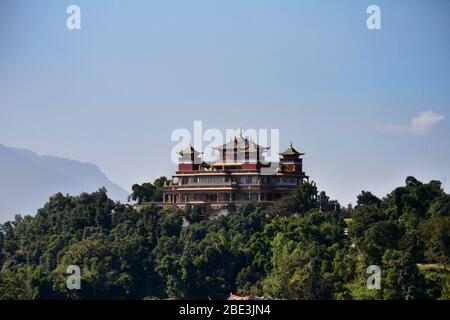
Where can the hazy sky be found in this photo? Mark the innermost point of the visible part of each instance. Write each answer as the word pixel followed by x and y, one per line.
pixel 368 107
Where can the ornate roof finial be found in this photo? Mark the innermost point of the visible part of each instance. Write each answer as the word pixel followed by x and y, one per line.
pixel 240 133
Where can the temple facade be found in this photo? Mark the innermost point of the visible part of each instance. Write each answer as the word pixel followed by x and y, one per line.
pixel 240 174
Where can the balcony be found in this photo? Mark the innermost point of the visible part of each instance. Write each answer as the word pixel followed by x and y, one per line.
pixel 201 186
pixel 216 171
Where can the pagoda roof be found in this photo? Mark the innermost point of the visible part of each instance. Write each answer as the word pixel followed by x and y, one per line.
pixel 229 145
pixel 189 150
pixel 254 147
pixel 290 151
pixel 242 144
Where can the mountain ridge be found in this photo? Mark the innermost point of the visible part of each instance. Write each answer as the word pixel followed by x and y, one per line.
pixel 28 179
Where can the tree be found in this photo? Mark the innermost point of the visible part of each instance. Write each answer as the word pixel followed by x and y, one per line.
pixel 142 193
pixel 410 281
pixel 435 233
pixel 25 283
pixel 378 238
pixel 159 185
pixel 148 191
pixel 366 198
pixel 295 249
pixel 196 213
pixel 440 206
pixel 325 204
pixel 299 201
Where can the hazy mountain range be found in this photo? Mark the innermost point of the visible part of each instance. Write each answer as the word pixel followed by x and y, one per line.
pixel 27 180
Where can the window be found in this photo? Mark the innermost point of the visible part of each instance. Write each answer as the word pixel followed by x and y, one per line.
pixel 211 179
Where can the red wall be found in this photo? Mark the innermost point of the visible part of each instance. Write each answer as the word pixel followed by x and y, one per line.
pixel 185 166
pixel 249 166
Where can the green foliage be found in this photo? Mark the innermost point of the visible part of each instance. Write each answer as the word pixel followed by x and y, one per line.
pixel 196 213
pixel 299 201
pixel 295 249
pixel 435 233
pixel 147 191
pixel 366 198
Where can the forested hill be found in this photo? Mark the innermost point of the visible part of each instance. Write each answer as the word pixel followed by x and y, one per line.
pixel 296 249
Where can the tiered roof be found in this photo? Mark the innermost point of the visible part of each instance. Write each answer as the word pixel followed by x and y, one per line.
pixel 290 151
pixel 189 150
pixel 242 144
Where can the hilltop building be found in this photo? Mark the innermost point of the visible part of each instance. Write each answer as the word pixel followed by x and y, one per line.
pixel 240 174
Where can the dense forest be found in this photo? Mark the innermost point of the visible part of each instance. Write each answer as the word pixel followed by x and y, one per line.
pixel 305 246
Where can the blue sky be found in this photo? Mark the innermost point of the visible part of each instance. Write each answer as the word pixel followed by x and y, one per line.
pixel 113 92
